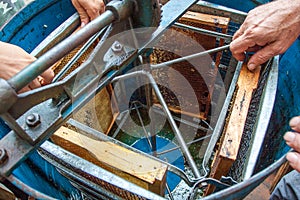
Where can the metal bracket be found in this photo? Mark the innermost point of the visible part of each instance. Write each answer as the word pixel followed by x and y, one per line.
pixel 40 112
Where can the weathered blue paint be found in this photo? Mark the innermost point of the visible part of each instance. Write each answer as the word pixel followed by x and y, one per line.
pixel 36 21
pixel 242 5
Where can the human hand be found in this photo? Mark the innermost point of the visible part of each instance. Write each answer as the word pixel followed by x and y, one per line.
pixel 268 30
pixel 293 140
pixel 13 59
pixel 88 9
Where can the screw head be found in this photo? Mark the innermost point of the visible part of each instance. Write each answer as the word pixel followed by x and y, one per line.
pixel 33 120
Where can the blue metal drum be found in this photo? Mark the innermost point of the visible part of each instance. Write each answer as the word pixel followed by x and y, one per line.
pixel 240 5
pixel 29 27
pixel 37 20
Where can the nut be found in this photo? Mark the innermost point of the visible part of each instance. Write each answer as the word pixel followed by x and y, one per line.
pixel 33 120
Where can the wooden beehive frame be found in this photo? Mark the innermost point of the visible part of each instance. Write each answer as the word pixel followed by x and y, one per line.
pixel 134 167
pixel 209 22
pixel 232 135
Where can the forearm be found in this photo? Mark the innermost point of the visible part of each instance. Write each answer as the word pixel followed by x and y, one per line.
pixel 13 59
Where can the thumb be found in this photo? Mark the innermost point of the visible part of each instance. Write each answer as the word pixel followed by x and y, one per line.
pixel 262 56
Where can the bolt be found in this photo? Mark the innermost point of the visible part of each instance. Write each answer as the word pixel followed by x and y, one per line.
pixel 33 120
pixel 117 47
pixel 3 156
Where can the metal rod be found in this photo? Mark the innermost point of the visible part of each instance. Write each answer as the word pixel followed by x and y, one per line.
pixel 33 70
pixel 144 129
pixel 169 192
pixel 157 110
pixel 60 33
pixel 188 122
pixel 164 64
pixel 191 142
pixel 121 124
pixel 204 31
pixel 176 130
pixel 77 56
pixel 149 100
